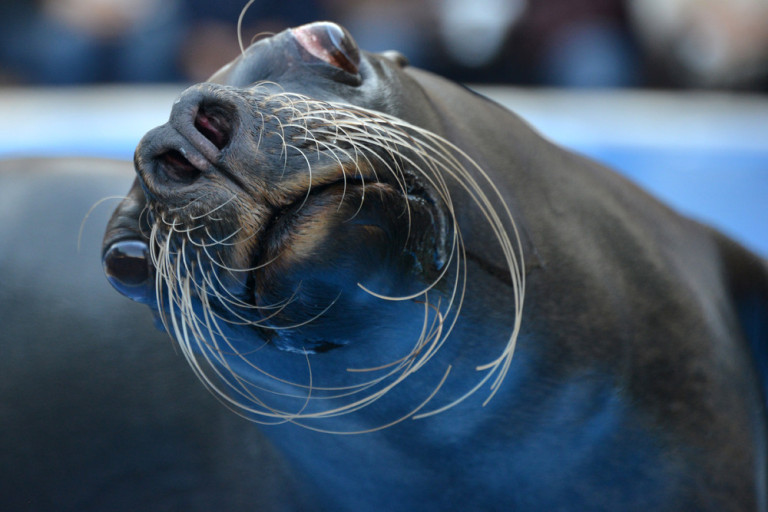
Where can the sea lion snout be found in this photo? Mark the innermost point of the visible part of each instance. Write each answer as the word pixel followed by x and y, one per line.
pixel 200 128
pixel 169 161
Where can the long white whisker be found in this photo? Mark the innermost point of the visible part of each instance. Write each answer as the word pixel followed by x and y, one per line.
pixel 351 145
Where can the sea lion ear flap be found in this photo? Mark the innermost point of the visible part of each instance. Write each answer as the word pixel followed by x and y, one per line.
pixel 395 57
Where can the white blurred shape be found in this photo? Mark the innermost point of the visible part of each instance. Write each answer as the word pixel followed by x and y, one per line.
pixel 474 31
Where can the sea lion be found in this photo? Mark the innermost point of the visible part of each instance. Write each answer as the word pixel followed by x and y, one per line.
pixel 345 244
pixel 97 409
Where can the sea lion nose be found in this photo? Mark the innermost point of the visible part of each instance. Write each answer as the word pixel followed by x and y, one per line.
pixel 205 115
pixel 129 270
pixel 200 127
pixel 211 121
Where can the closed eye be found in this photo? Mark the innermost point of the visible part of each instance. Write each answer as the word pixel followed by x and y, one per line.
pixel 331 44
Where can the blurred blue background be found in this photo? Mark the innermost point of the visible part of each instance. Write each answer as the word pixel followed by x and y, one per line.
pixel 670 92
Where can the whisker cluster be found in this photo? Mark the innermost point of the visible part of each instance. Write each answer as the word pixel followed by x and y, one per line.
pixel 198 309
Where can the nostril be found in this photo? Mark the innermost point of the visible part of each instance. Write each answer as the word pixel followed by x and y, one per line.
pixel 212 122
pixel 128 269
pixel 177 168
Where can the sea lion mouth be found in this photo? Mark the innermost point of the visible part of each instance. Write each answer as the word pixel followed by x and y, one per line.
pixel 201 126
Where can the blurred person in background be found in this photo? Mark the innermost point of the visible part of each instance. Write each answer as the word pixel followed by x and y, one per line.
pixel 566 43
pixel 57 42
pixel 563 43
pixel 715 44
pixel 704 43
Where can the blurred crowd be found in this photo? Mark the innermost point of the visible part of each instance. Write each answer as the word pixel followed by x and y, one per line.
pixel 719 44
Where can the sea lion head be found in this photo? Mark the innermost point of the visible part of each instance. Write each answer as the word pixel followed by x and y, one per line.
pixel 297 204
